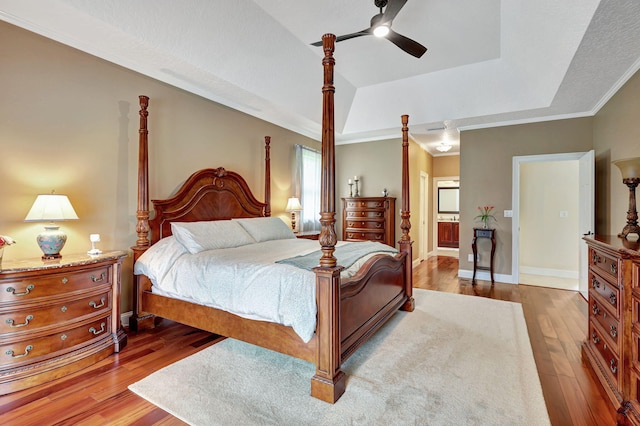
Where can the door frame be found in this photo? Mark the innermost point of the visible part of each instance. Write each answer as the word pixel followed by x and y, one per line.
pixel 434 209
pixel 515 200
pixel 423 228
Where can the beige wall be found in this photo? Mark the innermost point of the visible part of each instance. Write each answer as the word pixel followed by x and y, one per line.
pixel 447 165
pixel 616 135
pixel 486 173
pixel 69 122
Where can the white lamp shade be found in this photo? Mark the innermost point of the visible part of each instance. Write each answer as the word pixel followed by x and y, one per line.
pixel 51 207
pixel 629 167
pixel 293 205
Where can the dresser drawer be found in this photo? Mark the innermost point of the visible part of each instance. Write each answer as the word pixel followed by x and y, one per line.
pixel 604 264
pixel 609 358
pixel 365 204
pixel 364 224
pixel 62 284
pixel 365 213
pixel 367 236
pixel 606 292
pixel 606 321
pixel 34 349
pixel 38 316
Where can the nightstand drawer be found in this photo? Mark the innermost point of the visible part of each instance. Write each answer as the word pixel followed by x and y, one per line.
pixel 39 316
pixel 29 350
pixel 34 287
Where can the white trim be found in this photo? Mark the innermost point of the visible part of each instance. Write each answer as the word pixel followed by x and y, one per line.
pixel 548 272
pixel 125 317
pixel 486 276
pixel 515 200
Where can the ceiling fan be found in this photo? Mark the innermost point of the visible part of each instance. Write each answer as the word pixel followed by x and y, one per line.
pixel 381 27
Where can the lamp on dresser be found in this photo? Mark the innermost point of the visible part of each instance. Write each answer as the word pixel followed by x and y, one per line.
pixel 630 169
pixel 293 206
pixel 51 208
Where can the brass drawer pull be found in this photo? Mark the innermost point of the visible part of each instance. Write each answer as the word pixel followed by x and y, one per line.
pixel 65 280
pixel 613 366
pixel 93 304
pixel 98 279
pixel 96 332
pixel 595 258
pixel 595 338
pixel 28 290
pixel 614 268
pixel 613 299
pixel 26 352
pixel 595 283
pixel 613 331
pixel 595 310
pixel 26 322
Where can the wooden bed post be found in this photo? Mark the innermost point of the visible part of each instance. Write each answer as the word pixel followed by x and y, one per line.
pixel 267 175
pixel 405 241
pixel 142 226
pixel 329 382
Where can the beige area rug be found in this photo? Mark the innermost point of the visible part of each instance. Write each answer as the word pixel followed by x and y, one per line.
pixel 455 360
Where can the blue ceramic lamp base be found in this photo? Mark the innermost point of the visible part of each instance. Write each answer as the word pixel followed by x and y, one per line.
pixel 51 242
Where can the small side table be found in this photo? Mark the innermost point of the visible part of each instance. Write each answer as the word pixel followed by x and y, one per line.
pixel 310 235
pixel 483 233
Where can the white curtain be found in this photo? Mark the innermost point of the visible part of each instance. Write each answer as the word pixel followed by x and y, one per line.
pixel 307 187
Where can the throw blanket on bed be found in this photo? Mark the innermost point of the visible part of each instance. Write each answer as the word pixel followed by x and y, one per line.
pixel 347 254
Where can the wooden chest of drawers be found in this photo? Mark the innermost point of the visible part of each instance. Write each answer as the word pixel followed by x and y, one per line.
pixel 611 346
pixel 369 218
pixel 57 317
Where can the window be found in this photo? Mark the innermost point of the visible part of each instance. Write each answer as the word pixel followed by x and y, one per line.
pixel 307 187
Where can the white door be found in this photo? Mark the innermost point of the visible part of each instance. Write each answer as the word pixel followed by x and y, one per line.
pixel 587 215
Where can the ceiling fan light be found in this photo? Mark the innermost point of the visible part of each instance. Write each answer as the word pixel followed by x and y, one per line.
pixel 381 31
pixel 443 147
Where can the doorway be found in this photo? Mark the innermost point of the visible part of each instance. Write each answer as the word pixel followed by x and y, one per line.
pixel 446 216
pixel 553 207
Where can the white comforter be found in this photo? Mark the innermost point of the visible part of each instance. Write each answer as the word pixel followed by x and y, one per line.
pixel 242 280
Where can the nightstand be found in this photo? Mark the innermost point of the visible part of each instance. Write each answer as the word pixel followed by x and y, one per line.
pixel 57 317
pixel 310 235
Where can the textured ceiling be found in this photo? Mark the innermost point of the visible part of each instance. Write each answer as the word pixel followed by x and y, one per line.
pixel 489 62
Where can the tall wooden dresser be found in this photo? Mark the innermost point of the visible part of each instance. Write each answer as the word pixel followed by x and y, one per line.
pixel 369 219
pixel 57 317
pixel 613 341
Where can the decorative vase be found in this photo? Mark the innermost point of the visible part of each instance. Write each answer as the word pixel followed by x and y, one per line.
pixel 485 225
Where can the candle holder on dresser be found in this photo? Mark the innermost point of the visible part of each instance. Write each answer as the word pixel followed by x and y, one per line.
pixel 357 194
pixel 630 169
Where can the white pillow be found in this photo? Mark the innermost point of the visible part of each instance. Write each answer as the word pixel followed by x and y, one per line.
pixel 156 261
pixel 266 228
pixel 215 234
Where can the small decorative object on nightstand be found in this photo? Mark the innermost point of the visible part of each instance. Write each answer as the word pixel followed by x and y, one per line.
pixel 57 318
pixel 94 238
pixel 51 208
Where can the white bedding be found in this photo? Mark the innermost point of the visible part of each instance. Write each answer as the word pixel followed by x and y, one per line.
pixel 241 280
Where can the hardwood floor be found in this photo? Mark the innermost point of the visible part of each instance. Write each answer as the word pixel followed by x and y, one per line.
pixel 556 319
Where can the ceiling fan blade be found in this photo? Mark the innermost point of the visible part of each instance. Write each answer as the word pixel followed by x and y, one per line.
pixel 411 47
pixel 348 36
pixel 392 9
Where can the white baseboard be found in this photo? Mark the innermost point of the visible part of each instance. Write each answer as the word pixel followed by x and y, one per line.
pixel 548 272
pixel 486 276
pixel 124 318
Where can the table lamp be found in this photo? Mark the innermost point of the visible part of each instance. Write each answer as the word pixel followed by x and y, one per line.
pixel 293 206
pixel 630 169
pixel 50 208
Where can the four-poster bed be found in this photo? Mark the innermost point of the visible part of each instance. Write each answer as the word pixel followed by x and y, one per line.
pixel 349 310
